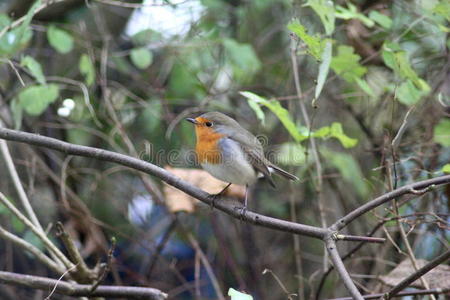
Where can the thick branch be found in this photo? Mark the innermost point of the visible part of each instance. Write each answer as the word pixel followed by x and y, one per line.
pixel 164 175
pixel 413 188
pixel 80 290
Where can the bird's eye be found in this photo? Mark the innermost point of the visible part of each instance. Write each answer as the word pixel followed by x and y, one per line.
pixel 209 124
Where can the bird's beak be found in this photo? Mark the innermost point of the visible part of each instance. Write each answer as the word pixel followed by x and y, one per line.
pixel 193 121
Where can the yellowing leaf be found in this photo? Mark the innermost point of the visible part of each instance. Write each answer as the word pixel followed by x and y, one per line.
pixel 446 168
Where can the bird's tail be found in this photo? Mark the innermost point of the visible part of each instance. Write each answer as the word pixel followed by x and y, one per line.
pixel 283 173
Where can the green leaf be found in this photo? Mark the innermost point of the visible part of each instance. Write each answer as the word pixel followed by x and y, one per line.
pixel 352 13
pixel 13 40
pixel 335 131
pixel 87 69
pixel 325 10
pixel 408 94
pixel 141 57
pixel 442 133
pixel 291 154
pixel 349 169
pixel 365 87
pixel 443 9
pixel 396 58
pixel 346 64
pixel 282 114
pixel 257 109
pixel 242 59
pixel 315 44
pixel 35 99
pixel 236 295
pixel 60 39
pixel 323 68
pixel 383 20
pixel 446 168
pixel 145 37
pixel 34 67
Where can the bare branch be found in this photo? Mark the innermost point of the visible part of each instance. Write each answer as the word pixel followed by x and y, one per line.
pixel 401 294
pixel 81 290
pixel 412 188
pixel 413 277
pixel 340 268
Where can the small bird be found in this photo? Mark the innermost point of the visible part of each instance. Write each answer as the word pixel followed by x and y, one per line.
pixel 231 153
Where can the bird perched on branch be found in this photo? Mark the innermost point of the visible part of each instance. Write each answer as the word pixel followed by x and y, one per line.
pixel 231 153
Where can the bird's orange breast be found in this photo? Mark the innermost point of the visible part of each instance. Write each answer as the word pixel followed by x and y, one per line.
pixel 207 145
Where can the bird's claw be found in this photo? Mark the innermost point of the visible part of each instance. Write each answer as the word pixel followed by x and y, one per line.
pixel 213 199
pixel 242 211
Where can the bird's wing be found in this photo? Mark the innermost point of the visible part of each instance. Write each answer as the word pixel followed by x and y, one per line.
pixel 254 151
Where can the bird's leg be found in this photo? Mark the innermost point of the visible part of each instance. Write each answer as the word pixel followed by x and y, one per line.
pixel 219 194
pixel 244 209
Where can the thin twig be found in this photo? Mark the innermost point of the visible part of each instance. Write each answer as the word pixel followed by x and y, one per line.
pixel 401 294
pixel 80 290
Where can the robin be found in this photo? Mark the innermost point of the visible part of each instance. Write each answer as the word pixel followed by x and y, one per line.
pixel 231 153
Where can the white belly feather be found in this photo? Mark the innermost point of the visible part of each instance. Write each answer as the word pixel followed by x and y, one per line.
pixel 234 168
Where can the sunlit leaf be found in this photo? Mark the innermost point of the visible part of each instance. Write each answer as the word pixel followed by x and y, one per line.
pixel 351 12
pixel 383 20
pixel 35 99
pixel 314 43
pixel 141 57
pixel 59 39
pixel 87 69
pixel 446 168
pixel 282 114
pixel 325 10
pixel 335 131
pixel 257 109
pixel 236 295
pixel 442 133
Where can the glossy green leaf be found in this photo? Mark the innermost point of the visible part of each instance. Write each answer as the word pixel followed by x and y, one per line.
pixel 314 43
pixel 381 19
pixel 351 12
pixel 236 295
pixel 282 114
pixel 325 10
pixel 349 169
pixel 346 64
pixel 142 58
pixel 35 99
pixel 60 39
pixel 34 67
pixel 87 69
pixel 442 133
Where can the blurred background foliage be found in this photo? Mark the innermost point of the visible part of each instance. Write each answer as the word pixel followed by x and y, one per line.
pixel 373 79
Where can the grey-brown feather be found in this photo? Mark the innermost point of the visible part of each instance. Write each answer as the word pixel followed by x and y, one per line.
pixel 249 143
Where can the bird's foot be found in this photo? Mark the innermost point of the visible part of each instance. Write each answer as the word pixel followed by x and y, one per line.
pixel 214 198
pixel 242 210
